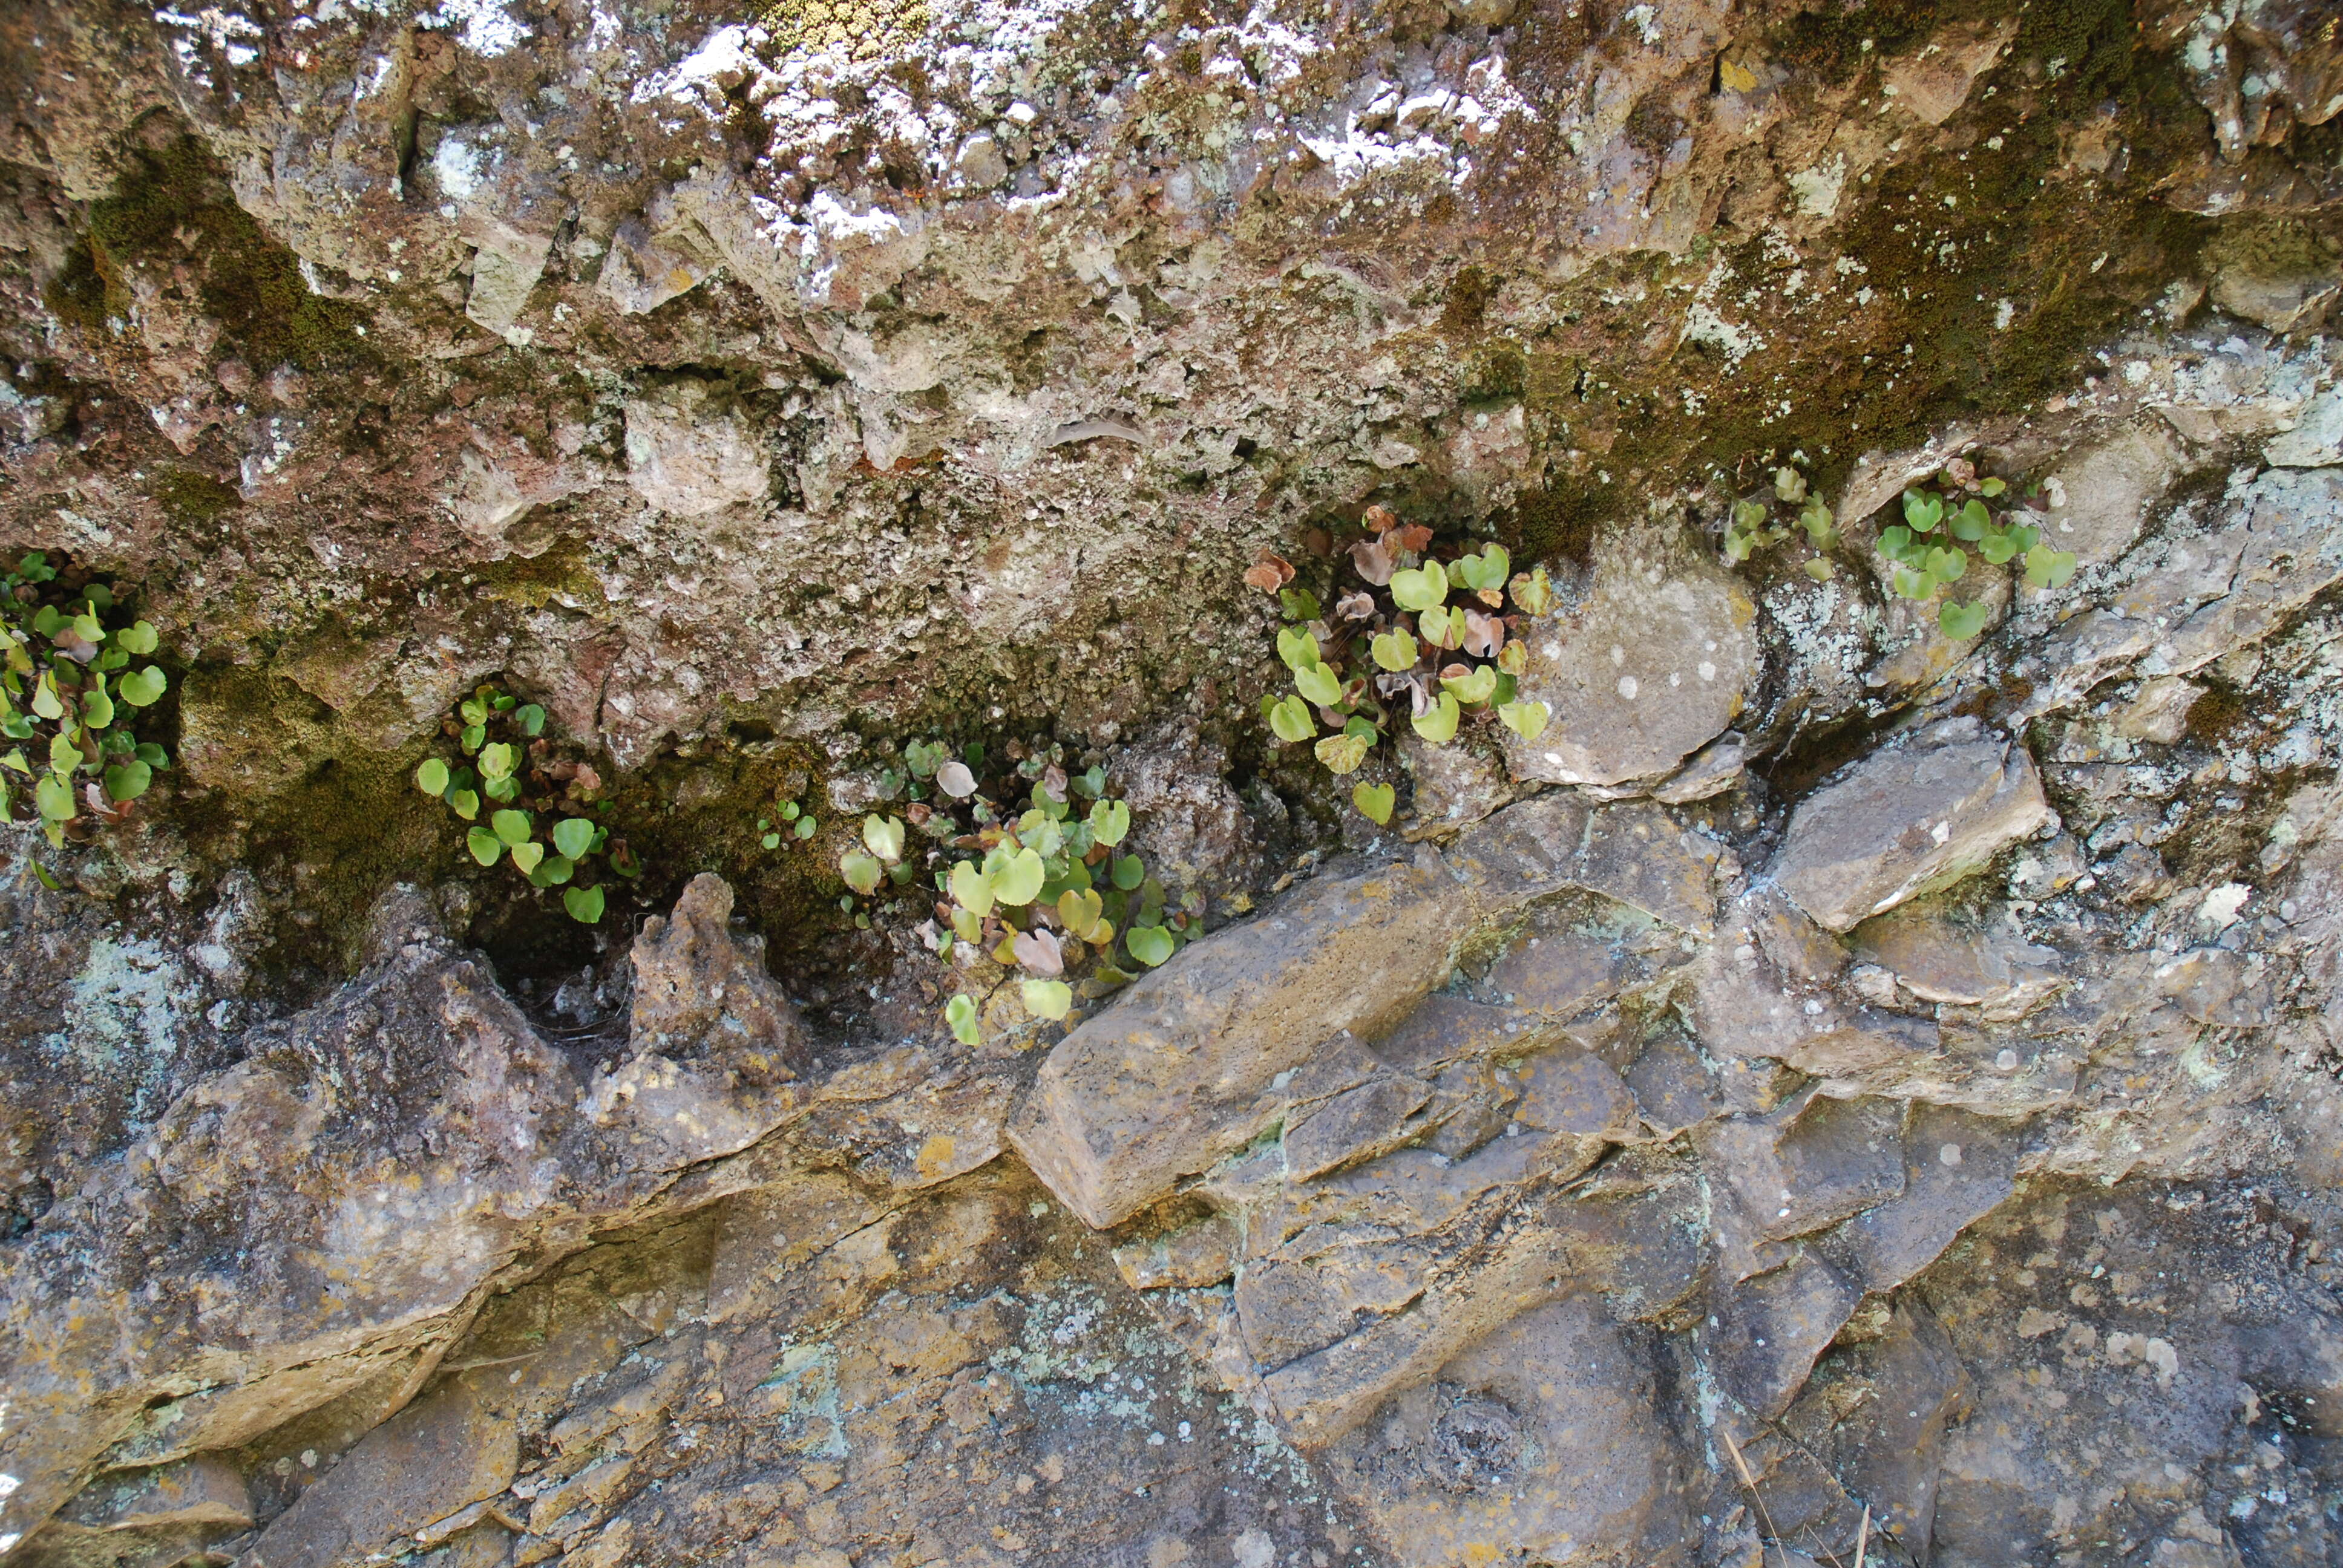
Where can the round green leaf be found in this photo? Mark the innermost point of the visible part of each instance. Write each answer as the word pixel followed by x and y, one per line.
pixel 1961 621
pixel 883 836
pixel 1421 587
pixel 496 761
pixel 1289 719
pixel 464 803
pixel 971 888
pixel 553 871
pixel 861 872
pixel 1110 822
pixel 1297 646
pixel 2049 568
pixel 960 1013
pixel 1344 753
pixel 527 856
pixel 485 847
pixel 1151 945
pixel 532 720
pixel 1396 649
pixel 1128 873
pixel 139 639
pixel 585 905
pixel 1477 687
pixel 128 780
pixel 1922 510
pixel 144 688
pixel 96 707
pixel 1319 684
pixel 1375 801
pixel 431 778
pixel 1526 719
pixel 573 837
pixel 1019 880
pixel 55 798
pixel 1439 726
pixel 511 826
pixel 64 757
pixel 807 827
pixel 1048 998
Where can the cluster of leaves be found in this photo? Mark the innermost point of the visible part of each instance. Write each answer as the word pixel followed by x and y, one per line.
pixel 1926 548
pixel 788 821
pixel 1025 868
pixel 1440 664
pixel 67 698
pixel 1758 522
pixel 536 800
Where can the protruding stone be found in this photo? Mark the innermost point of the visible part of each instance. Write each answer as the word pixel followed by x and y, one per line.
pixel 1939 960
pixel 717 1047
pixel 1907 820
pixel 688 454
pixel 1543 1437
pixel 440 1454
pixel 1173 1077
pixel 1649 667
pixel 203 1491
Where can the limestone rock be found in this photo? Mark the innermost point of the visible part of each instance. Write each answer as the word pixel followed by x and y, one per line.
pixel 1651 664
pixel 2108 490
pixel 204 1491
pixel 1541 1436
pixel 689 455
pixel 1905 820
pixel 2316 439
pixel 1165 1081
pixel 1938 960
pixel 436 1457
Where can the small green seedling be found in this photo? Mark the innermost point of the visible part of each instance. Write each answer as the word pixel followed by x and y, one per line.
pixel 70 697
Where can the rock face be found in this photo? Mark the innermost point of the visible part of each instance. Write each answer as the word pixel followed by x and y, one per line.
pixel 1907 818
pixel 1836 1088
pixel 1654 663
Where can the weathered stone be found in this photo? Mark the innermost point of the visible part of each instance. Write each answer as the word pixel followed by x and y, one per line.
pixel 1957 1168
pixel 2288 551
pixel 1541 1438
pixel 1649 667
pixel 1906 820
pixel 1938 960
pixel 687 454
pixel 717 1047
pixel 204 1491
pixel 442 1454
pixel 2105 493
pixel 1903 1389
pixel 1171 1078
pixel 1203 1254
pixel 2316 439
pixel 1773 1327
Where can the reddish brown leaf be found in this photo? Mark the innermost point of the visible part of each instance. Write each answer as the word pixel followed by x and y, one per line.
pixel 1415 537
pixel 1262 575
pixel 1494 598
pixel 1318 542
pixel 1379 519
pixel 1484 634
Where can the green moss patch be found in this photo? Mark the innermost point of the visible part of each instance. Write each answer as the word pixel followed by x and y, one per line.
pixel 174 204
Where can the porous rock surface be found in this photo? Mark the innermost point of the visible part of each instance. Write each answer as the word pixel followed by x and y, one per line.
pixel 1837 1084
